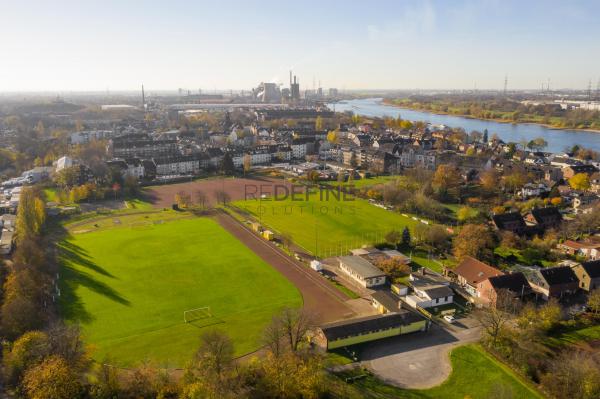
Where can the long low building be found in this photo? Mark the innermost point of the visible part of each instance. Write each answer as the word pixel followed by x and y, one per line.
pixel 362 271
pixel 370 328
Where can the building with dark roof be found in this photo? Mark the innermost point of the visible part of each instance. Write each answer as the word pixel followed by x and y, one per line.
pixel 428 295
pixel 573 170
pixel 514 283
pixel 547 218
pixel 386 301
pixel 554 281
pixel 588 274
pixel 511 221
pixel 142 148
pixel 365 329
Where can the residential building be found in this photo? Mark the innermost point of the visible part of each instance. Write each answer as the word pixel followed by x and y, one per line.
pixel 427 295
pixel 547 218
pixel 554 281
pixel 142 148
pixel 131 167
pixel 177 165
pixel 84 137
pixel 510 221
pixel 589 248
pixel 595 182
pixel 514 283
pixel 533 190
pixel 573 170
pixel 64 162
pixel 588 274
pixel 470 272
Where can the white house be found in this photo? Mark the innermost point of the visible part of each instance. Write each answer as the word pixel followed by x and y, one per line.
pixel 90 135
pixel 64 162
pixel 184 164
pixel 533 190
pixel 298 150
pixel 430 295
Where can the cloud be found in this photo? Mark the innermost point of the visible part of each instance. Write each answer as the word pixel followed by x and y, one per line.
pixel 411 21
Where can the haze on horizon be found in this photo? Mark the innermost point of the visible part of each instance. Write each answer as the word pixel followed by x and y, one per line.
pixel 97 45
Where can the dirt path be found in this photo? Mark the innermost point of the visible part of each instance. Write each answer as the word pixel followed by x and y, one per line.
pixel 321 299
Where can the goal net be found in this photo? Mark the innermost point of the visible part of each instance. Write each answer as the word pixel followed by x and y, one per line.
pixel 196 314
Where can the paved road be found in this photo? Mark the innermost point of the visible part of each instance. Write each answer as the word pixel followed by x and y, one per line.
pixel 419 360
pixel 321 299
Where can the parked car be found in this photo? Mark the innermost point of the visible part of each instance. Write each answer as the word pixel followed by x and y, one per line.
pixel 449 318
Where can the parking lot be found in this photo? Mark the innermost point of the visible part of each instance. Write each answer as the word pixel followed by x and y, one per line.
pixel 419 360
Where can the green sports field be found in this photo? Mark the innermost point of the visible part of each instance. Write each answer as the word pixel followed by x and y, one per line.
pixel 128 280
pixel 324 225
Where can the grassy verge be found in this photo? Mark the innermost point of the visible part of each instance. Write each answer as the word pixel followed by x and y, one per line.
pixel 351 294
pixel 585 334
pixel 475 375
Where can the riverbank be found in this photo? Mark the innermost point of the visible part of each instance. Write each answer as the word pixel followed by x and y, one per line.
pixel 497 120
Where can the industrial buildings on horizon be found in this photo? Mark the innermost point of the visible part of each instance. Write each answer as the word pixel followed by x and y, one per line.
pixel 274 94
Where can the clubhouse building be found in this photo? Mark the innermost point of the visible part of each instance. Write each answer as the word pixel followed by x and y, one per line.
pixel 370 328
pixel 362 271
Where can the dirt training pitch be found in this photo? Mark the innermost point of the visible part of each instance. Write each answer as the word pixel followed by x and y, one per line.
pixel 237 189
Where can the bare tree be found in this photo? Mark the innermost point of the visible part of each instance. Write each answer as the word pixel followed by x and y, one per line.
pixel 215 353
pixel 286 240
pixel 274 337
pixel 222 196
pixel 574 374
pixel 594 301
pixel 201 199
pixel 182 199
pixel 295 324
pixel 494 317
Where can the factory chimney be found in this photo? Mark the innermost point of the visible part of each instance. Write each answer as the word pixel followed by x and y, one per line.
pixel 143 98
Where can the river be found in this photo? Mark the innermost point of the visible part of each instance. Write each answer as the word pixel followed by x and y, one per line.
pixel 558 139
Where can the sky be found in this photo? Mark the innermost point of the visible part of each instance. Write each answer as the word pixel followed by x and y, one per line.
pixel 377 44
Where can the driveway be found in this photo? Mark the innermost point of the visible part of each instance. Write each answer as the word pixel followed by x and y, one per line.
pixel 419 360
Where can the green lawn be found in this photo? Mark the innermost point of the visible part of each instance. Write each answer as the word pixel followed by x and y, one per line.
pixel 475 375
pixel 51 194
pixel 139 204
pixel 591 333
pixel 371 181
pixel 128 281
pixel 325 226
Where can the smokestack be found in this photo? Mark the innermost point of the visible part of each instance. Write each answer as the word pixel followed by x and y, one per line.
pixel 290 78
pixel 294 79
pixel 143 98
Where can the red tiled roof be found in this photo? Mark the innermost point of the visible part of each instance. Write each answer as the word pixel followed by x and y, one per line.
pixel 581 244
pixel 475 271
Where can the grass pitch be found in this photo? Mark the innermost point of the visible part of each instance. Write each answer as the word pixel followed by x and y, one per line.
pixel 326 226
pixel 129 286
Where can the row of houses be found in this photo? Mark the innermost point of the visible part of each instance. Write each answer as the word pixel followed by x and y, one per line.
pixel 483 282
pixel 535 222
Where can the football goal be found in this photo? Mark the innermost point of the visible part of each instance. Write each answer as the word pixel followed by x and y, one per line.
pixel 196 314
